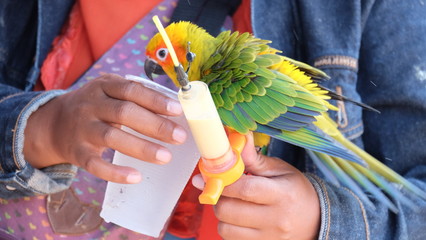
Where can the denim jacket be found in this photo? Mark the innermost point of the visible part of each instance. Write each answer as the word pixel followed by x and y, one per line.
pixel 27 29
pixel 374 51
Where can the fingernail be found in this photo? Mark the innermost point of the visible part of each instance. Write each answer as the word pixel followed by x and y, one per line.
pixel 163 155
pixel 134 178
pixel 179 135
pixel 174 107
pixel 198 182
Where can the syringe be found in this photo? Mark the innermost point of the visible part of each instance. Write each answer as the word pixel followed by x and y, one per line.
pixel 220 164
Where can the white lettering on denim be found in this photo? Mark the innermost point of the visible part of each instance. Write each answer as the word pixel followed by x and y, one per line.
pixel 337 61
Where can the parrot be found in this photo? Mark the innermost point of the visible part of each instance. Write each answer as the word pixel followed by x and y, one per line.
pixel 256 88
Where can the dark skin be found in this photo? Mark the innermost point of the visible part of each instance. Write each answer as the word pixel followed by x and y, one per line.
pixel 78 126
pixel 276 202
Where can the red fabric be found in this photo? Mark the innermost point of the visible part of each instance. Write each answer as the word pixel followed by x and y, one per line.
pixel 92 28
pixel 61 60
pixel 209 222
pixel 186 219
pixel 242 17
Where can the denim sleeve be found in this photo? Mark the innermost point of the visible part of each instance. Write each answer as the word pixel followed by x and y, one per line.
pixel 344 215
pixel 17 177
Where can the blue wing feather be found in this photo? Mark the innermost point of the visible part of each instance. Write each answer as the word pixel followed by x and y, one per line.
pixel 311 138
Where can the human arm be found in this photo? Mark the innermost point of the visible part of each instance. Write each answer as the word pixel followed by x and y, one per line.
pixel 17 178
pixel 98 109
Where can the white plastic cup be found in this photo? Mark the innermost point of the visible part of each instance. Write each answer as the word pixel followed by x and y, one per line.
pixel 146 207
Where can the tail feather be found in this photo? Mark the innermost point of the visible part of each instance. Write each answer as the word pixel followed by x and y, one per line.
pixel 381 168
pixel 328 173
pixel 374 176
pixel 344 178
pixel 365 183
pixel 312 138
pixel 385 185
pixel 353 175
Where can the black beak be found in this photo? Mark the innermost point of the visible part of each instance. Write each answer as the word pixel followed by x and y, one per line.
pixel 151 66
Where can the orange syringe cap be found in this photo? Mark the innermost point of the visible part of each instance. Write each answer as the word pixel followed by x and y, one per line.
pixel 223 171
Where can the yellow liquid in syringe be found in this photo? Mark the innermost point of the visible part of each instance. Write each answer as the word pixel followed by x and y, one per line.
pixel 204 121
pixel 211 142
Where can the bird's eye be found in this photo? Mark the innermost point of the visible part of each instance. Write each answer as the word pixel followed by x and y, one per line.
pixel 162 53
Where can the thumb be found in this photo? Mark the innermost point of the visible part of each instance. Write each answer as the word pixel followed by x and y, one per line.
pixel 258 164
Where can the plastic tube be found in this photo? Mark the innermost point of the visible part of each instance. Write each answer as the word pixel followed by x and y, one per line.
pixel 220 164
pixel 206 126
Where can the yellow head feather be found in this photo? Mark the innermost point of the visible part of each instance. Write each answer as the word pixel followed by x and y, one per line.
pixel 180 33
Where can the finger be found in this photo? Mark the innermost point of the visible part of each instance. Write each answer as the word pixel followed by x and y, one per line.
pixel 142 120
pixel 108 136
pixel 269 166
pixel 120 88
pixel 240 213
pixel 232 232
pixel 198 182
pixel 249 153
pixel 95 165
pixel 259 164
pixel 255 189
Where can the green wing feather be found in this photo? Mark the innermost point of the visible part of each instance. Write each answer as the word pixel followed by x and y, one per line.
pixel 251 96
pixel 248 93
